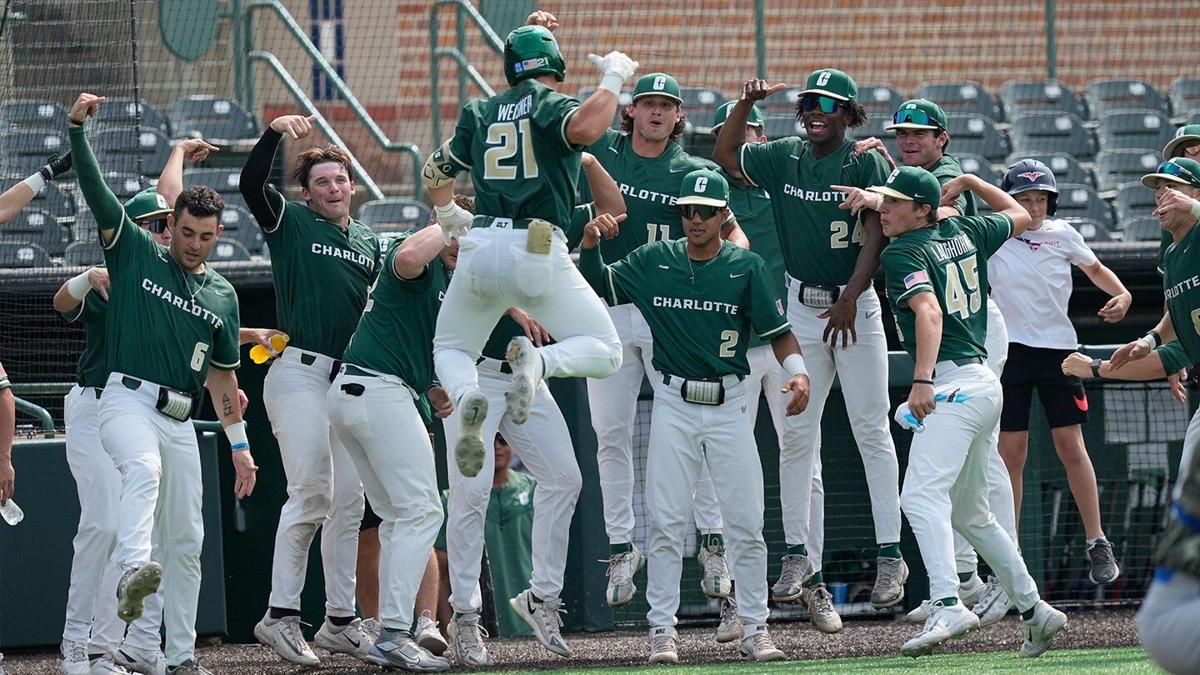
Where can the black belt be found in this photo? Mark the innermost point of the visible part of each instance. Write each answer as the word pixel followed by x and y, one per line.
pixel 968 361
pixel 309 359
pixel 355 371
pixel 505 366
pixel 133 383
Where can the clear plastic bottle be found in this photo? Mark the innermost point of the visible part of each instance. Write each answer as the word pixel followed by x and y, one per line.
pixel 11 513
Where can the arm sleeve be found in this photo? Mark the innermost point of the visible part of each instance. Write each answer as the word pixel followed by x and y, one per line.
pixel 767 316
pixel 597 274
pixel 905 274
pixel 580 217
pixel 263 200
pixel 988 232
pixel 627 277
pixel 226 353
pixel 552 115
pixel 1174 358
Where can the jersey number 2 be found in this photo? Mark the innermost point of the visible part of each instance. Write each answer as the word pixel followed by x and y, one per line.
pixel 729 340
pixel 509 138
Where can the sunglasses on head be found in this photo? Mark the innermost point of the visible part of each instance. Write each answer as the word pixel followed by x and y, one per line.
pixel 915 116
pixel 1173 169
pixel 689 211
pixel 156 226
pixel 827 105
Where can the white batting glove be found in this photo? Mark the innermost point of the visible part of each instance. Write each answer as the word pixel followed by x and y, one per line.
pixel 617 69
pixel 454 221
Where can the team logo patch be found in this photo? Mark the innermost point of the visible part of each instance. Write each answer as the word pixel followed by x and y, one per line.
pixel 916 278
pixel 1031 176
pixel 530 64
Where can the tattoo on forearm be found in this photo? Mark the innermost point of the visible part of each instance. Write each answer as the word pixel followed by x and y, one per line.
pixel 226 406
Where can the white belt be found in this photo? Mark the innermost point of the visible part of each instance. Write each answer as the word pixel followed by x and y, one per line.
pixel 325 364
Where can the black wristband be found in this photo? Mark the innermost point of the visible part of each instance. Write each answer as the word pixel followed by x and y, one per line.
pixel 1096 367
pixel 917 381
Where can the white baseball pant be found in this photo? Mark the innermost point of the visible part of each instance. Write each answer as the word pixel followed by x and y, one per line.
pixel 387 441
pixel 683 436
pixel 1000 496
pixel 544 445
pixel 1169 622
pixel 862 369
pixel 766 375
pixel 495 272
pixel 92 597
pixel 323 486
pixel 613 403
pixel 946 485
pixel 161 497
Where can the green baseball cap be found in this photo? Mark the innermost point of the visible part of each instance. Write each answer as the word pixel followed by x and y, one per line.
pixel 919 113
pixel 1189 133
pixel 754 118
pixel 911 183
pixel 832 83
pixel 657 84
pixel 1178 170
pixel 704 186
pixel 146 204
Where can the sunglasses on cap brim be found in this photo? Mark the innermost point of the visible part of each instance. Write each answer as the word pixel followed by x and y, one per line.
pixel 705 211
pixel 1173 169
pixel 827 105
pixel 915 116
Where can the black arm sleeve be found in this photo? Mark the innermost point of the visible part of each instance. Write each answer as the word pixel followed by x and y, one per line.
pixel 264 200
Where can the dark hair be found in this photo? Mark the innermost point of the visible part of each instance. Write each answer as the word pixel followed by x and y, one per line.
pixel 465 202
pixel 306 160
pixel 200 201
pixel 857 113
pixel 627 122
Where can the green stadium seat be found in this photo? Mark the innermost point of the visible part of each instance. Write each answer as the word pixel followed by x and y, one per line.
pixel 1185 96
pixel 228 250
pixel 213 118
pixel 394 212
pixel 24 151
pixel 874 128
pixel 23 254
pixel 1020 98
pixel 119 149
pixel 1114 167
pixel 1066 168
pixel 1092 230
pixel 1082 201
pixel 962 98
pixel 699 141
pixel 1135 130
pixel 83 254
pixel 980 167
pixel 1106 96
pixel 124 112
pixel 1142 229
pixel 1052 132
pixel 27 114
pixel 237 218
pixel 84 228
pixel 977 135
pixel 1133 201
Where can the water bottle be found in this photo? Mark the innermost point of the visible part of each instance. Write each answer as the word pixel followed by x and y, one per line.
pixel 11 513
pixel 260 354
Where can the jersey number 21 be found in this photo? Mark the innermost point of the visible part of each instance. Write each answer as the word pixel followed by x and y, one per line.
pixel 507 140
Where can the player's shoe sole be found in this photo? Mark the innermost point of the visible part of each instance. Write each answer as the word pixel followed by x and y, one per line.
pixel 469 451
pixel 521 355
pixel 135 588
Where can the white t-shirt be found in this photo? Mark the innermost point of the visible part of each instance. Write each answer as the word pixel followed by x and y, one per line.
pixel 1031 282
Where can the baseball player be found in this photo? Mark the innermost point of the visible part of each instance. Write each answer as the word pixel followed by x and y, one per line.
pixel 1167 621
pixel 18 196
pixel 701 298
pixel 920 128
pixel 323 261
pixel 647 162
pixel 834 312
pixel 543 444
pixel 8 417
pixel 185 318
pixel 385 368
pixel 752 207
pixel 936 275
pixel 522 148
pixel 1186 143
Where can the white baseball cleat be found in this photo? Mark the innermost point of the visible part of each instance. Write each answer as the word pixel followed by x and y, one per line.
pixel 428 636
pixel 663 648
pixel 621 568
pixel 969 593
pixel 796 570
pixel 138 660
pixel 526 366
pixel 730 627
pixel 397 650
pixel 137 584
pixel 350 639
pixel 890 575
pixel 715 583
pixel 469 451
pixel 759 646
pixel 74 658
pixel 993 603
pixel 820 609
pixel 944 623
pixel 543 618
pixel 1041 629
pixel 105 665
pixel 284 636
pixel 371 627
pixel 466 638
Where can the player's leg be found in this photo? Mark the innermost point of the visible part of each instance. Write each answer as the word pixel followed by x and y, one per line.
pixel 339 537
pixel 182 537
pixel 1169 621
pixel 1017 382
pixel 544 445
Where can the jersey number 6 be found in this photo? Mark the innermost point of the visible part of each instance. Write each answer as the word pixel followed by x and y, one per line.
pixel 198 356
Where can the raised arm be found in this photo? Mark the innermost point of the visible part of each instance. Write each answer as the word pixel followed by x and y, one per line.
pixel 606 194
pixel 591 263
pixel 596 113
pixel 18 196
pixel 75 289
pixel 170 181
pixel 733 132
pixel 264 201
pixel 996 199
pixel 101 200
pixel 417 251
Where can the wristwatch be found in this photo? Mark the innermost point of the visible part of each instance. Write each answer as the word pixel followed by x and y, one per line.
pixel 1096 367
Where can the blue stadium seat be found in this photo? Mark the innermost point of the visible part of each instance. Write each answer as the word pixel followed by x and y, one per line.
pixel 24 151
pixel 1082 201
pixel 228 250
pixel 977 135
pixel 879 100
pixel 1114 167
pixel 120 148
pixel 1106 96
pixel 1052 132
pixel 394 212
pixel 23 254
pixel 980 167
pixel 39 226
pixel 1142 229
pixel 83 254
pixel 782 125
pixel 1133 201
pixel 224 181
pixel 962 98
pixel 1066 168
pixel 1135 130
pixel 1020 98
pixel 1092 230
pixel 124 112
pixel 1185 96
pixel 213 118
pixel 26 114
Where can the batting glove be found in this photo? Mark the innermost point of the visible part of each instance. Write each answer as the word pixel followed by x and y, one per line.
pixel 454 220
pixel 616 68
pixel 56 166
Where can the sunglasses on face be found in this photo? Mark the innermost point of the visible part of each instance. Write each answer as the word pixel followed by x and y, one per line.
pixel 914 116
pixel 156 226
pixel 689 211
pixel 827 105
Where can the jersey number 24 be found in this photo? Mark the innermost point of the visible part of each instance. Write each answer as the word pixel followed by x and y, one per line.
pixel 507 140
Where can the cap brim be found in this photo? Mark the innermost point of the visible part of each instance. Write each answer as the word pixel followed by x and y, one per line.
pixel 911 125
pixel 1169 148
pixel 1149 179
pixel 705 201
pixel 716 128
pixel 152 214
pixel 889 192
pixel 824 92
pixel 658 93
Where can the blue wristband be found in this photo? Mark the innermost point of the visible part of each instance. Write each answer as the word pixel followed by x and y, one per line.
pixel 238 447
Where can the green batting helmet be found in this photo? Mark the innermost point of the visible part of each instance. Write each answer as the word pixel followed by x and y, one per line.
pixel 530 51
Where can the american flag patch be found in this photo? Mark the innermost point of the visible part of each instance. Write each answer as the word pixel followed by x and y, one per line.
pixel 779 306
pixel 918 277
pixel 530 64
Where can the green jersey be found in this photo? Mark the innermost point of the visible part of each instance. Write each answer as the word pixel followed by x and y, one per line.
pixel 515 146
pixel 1181 286
pixel 650 186
pixel 700 313
pixel 751 206
pixel 948 259
pixel 395 334
pixel 1173 357
pixel 322 272
pixel 947 169
pixel 90 371
pixel 820 241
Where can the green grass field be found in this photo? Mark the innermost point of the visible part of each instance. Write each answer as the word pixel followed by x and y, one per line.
pixel 1125 660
